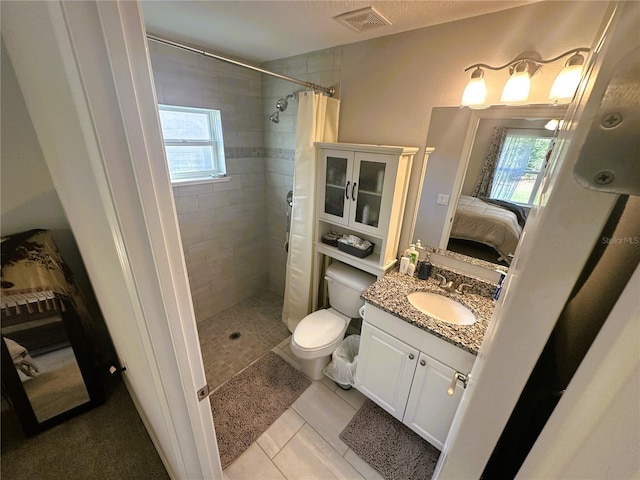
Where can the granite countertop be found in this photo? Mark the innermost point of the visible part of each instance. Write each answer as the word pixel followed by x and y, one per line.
pixel 389 293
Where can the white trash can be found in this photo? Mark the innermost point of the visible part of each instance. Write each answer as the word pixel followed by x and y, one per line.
pixel 344 360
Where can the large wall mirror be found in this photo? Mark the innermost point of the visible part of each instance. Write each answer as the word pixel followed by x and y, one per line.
pixel 482 177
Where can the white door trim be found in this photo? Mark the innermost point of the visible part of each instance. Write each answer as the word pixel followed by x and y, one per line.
pixel 85 75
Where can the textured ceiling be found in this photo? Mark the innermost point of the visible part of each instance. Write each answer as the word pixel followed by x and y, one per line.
pixel 266 30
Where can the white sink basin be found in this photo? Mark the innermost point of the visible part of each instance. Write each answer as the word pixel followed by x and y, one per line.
pixel 441 308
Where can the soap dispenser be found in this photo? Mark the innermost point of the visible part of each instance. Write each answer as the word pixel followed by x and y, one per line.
pixel 412 253
pixel 424 270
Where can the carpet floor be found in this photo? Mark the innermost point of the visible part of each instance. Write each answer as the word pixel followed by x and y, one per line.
pixel 390 447
pixel 246 405
pixel 107 442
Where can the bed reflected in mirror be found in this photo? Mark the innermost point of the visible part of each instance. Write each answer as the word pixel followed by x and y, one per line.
pixel 485 230
pixel 489 165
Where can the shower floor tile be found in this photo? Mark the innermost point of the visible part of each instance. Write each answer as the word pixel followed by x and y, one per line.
pixel 257 319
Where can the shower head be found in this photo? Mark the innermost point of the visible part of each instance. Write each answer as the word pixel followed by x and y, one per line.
pixel 282 105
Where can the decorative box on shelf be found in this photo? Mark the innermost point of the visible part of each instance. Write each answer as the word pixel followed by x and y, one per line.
pixel 354 250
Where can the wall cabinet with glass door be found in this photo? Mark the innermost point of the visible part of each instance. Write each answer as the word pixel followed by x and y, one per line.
pixel 362 190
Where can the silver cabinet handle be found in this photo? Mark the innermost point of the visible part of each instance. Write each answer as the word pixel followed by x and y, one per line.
pixel 423 363
pixel 411 356
pixel 457 376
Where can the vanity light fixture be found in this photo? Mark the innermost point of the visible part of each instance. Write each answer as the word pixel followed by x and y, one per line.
pixel 522 69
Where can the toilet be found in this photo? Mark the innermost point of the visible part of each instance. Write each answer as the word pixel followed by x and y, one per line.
pixel 320 333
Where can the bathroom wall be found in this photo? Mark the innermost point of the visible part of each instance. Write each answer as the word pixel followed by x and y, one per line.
pixel 387 88
pixel 233 233
pixel 223 224
pixel 390 84
pixel 322 67
pixel 28 198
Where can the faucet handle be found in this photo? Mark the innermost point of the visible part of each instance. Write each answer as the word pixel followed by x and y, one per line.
pixel 442 281
pixel 460 288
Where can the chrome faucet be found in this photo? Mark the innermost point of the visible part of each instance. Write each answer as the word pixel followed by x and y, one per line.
pixel 449 286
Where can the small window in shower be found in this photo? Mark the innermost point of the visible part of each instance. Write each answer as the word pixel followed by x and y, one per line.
pixel 193 142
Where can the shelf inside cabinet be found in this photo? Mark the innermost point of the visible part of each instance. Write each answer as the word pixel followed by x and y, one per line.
pixel 366 192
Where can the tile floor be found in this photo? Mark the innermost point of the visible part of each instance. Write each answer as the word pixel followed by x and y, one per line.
pixel 304 442
pixel 258 319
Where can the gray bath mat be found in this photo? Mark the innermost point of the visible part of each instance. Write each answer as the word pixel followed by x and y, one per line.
pixel 248 403
pixel 390 447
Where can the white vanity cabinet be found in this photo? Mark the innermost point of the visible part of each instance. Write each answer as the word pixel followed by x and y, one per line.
pixel 430 410
pixel 362 191
pixel 407 371
pixel 385 369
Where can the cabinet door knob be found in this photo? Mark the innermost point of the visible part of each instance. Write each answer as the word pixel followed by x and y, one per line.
pixel 423 363
pixel 346 190
pixel 353 191
pixel 457 376
pixel 411 356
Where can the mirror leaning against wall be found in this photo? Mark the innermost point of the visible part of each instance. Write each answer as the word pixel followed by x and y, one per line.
pixel 482 178
pixel 47 371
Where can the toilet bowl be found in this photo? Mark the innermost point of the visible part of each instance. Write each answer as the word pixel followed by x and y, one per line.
pixel 319 334
pixel 316 337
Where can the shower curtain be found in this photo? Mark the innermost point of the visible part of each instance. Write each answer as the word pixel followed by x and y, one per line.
pixel 317 122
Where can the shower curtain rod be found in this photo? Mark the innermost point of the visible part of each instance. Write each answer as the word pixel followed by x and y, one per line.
pixel 330 91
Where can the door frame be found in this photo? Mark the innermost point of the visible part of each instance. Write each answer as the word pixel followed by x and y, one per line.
pixel 85 74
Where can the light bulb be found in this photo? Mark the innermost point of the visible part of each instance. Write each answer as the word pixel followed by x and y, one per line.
pixel 517 88
pixel 566 83
pixel 476 90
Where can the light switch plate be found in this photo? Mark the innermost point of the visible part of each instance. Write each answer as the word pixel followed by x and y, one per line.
pixel 443 199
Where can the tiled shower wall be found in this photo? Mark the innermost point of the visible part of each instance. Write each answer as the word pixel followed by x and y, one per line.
pixel 233 232
pixel 222 224
pixel 322 68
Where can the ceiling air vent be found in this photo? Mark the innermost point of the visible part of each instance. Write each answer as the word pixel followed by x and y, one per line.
pixel 362 19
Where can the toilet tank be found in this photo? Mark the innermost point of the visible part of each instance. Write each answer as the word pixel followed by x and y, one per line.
pixel 346 284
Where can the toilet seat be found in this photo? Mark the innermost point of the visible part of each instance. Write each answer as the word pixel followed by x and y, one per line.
pixel 319 329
